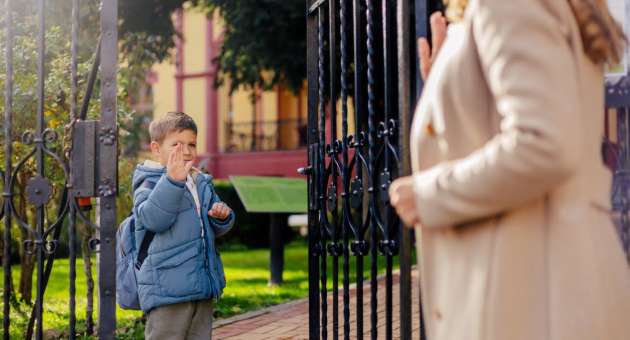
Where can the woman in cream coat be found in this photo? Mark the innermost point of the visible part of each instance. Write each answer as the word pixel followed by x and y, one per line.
pixel 509 195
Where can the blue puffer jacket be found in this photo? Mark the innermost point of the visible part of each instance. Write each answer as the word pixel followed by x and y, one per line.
pixel 183 263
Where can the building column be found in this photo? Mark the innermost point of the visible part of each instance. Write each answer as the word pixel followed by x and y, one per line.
pixel 179 60
pixel 212 100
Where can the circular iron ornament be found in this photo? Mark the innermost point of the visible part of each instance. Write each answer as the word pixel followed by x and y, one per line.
pixel 28 138
pixel 38 190
pixel 50 247
pixel 93 244
pixel 50 136
pixel 29 247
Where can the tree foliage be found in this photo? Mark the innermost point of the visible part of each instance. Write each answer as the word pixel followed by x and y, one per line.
pixel 264 43
pixel 264 40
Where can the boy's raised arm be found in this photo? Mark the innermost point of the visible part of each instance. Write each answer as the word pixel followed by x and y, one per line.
pixel 157 209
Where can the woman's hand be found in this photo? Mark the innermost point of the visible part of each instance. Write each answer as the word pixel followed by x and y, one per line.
pixel 403 199
pixel 402 196
pixel 425 52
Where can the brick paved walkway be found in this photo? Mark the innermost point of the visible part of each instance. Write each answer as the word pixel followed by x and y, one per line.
pixel 290 321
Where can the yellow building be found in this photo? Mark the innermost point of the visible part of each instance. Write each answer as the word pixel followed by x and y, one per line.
pixel 236 136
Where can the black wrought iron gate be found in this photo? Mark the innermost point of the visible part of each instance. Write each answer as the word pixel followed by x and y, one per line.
pixel 616 152
pixel 362 52
pixel 89 168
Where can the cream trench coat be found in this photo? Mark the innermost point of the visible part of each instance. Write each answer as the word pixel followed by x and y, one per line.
pixel 516 242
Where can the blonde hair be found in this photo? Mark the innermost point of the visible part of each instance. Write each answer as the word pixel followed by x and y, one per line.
pixel 455 9
pixel 602 37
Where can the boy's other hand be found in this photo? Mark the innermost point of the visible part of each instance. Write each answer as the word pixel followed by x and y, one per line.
pixel 177 168
pixel 220 211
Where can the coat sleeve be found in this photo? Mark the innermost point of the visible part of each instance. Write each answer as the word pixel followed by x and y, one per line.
pixel 157 209
pixel 531 72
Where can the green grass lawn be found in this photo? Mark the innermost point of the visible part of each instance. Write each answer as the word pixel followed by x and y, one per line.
pixel 247 289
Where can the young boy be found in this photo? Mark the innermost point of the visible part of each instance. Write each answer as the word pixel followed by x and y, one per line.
pixel 183 271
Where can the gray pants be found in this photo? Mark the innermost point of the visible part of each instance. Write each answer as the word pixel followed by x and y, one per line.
pixel 181 321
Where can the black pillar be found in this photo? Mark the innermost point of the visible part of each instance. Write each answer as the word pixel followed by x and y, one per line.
pixel 277 223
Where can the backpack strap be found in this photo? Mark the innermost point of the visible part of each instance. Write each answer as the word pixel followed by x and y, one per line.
pixel 148 235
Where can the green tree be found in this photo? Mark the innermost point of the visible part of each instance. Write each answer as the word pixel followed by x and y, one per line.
pixel 264 43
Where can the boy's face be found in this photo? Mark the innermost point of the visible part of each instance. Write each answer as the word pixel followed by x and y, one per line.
pixel 187 138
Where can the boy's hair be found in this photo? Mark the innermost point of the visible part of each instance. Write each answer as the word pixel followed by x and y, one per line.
pixel 170 122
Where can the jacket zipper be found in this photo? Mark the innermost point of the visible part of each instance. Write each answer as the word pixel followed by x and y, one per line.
pixel 206 241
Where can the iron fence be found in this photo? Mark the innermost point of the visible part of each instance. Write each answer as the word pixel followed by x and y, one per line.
pixel 89 169
pixel 359 51
pixel 363 51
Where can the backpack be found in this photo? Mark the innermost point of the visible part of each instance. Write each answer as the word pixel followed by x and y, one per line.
pixel 129 260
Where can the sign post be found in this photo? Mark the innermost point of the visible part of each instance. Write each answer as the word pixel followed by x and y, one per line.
pixel 277 197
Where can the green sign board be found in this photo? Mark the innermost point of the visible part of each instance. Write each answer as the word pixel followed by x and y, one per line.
pixel 271 194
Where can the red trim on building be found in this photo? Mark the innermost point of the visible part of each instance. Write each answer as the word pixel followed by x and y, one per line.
pixel 179 60
pixel 192 75
pixel 272 163
pixel 212 99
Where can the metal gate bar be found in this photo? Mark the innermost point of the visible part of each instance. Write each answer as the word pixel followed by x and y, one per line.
pixel 6 194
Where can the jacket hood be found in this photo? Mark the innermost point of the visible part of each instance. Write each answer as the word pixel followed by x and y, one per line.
pixel 147 169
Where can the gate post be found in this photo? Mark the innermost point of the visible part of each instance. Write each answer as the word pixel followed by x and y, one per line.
pixel 405 101
pixel 313 258
pixel 6 194
pixel 108 176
